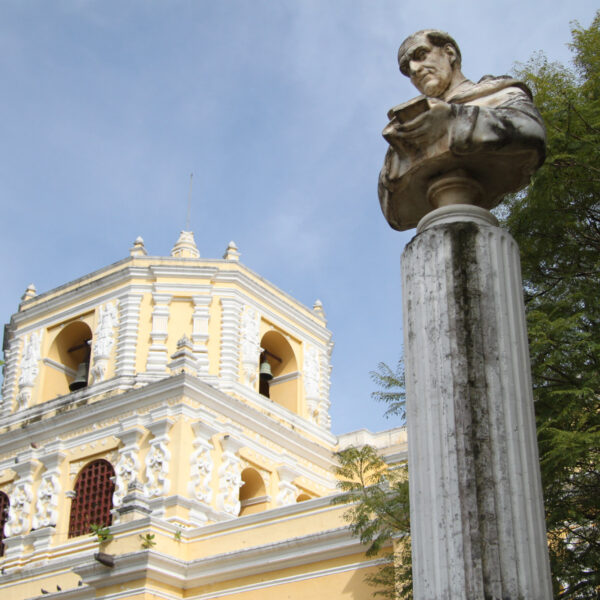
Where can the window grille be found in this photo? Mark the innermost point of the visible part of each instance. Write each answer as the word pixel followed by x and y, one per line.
pixel 4 504
pixel 93 498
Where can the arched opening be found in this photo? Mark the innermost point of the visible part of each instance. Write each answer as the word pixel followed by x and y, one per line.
pixel 278 375
pixel 93 498
pixel 253 495
pixel 302 498
pixel 4 506
pixel 68 361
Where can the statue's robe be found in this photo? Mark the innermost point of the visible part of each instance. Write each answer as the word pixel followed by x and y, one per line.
pixel 495 118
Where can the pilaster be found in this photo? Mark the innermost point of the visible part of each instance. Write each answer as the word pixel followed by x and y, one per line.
pixel 21 497
pixel 287 491
pixel 103 341
pixel 312 382
pixel 200 485
pixel 11 357
pixel 157 353
pixel 129 319
pixel 200 321
pixel 159 456
pixel 230 476
pixel 46 508
pixel 231 308
pixel 250 345
pixel 127 469
pixel 29 368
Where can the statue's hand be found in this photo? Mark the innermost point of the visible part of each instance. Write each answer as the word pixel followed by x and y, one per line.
pixel 421 131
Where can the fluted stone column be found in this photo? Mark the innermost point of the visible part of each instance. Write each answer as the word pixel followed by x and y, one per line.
pixel 477 518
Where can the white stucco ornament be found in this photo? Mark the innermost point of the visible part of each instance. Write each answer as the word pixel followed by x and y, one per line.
pixel 46 507
pixel 312 379
pixel 157 470
pixel 250 344
pixel 126 472
pixel 19 512
pixel 29 368
pixel 230 477
pixel 185 247
pixel 104 340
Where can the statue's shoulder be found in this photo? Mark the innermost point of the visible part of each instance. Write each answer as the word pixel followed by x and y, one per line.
pixel 487 86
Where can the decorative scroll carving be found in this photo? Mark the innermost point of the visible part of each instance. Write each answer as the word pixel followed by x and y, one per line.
pixel 104 340
pixel 46 507
pixel 288 492
pixel 126 472
pixel 29 368
pixel 250 344
pixel 312 378
pixel 11 356
pixel 158 458
pixel 324 418
pixel 202 469
pixel 19 512
pixel 157 469
pixel 230 477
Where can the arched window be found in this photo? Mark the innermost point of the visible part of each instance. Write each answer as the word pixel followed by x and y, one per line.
pixel 4 504
pixel 279 361
pixel 253 495
pixel 93 498
pixel 67 364
pixel 302 498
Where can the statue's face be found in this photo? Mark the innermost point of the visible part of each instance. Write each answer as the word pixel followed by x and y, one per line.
pixel 430 67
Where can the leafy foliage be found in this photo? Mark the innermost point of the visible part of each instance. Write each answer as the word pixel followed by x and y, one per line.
pixel 101 533
pixel 557 226
pixel 391 389
pixel 148 540
pixel 378 515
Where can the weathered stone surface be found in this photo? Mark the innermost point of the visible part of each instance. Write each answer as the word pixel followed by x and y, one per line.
pixel 477 518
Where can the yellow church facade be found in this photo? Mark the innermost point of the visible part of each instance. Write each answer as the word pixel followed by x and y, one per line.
pixel 178 407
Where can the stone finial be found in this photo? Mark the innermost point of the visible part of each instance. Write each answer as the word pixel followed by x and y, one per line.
pixel 184 342
pixel 232 252
pixel 185 246
pixel 138 248
pixel 30 293
pixel 183 360
pixel 318 309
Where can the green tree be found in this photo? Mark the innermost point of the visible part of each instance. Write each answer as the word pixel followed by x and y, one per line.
pixel 378 515
pixel 378 496
pixel 556 223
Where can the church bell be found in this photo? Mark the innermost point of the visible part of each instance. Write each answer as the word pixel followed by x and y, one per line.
pixel 265 371
pixel 81 377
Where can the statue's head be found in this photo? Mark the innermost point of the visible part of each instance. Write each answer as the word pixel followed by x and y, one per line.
pixel 431 58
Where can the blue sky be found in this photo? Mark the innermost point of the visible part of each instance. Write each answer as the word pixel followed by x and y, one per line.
pixel 276 107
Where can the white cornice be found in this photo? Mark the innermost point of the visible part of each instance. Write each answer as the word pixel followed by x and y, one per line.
pixel 257 560
pixel 82 414
pixel 76 310
pixel 179 270
pixel 299 423
pixel 293 310
pixel 94 286
pixel 204 268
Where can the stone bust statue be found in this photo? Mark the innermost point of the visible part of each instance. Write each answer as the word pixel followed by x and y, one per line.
pixel 459 142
